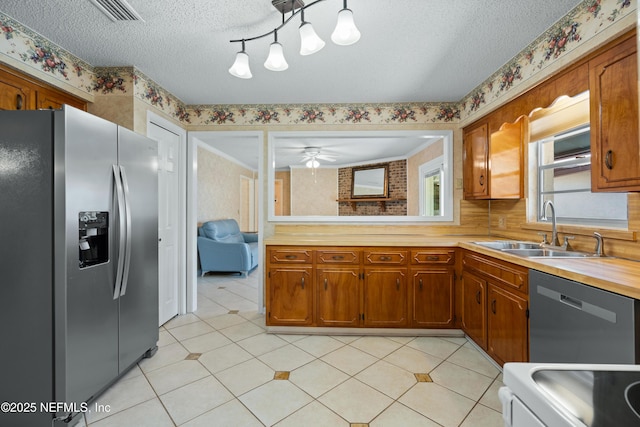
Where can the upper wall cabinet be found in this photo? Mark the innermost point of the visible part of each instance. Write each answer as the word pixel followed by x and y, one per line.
pixel 493 164
pixel 615 143
pixel 476 162
pixel 20 92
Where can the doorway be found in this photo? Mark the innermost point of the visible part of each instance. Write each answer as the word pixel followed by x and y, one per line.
pixel 238 146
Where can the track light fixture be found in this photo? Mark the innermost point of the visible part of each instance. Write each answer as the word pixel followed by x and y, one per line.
pixel 345 33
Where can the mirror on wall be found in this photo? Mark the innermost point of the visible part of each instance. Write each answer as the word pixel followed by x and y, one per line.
pixel 369 182
pixel 360 176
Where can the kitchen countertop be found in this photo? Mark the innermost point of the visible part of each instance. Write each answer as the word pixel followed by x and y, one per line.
pixel 617 275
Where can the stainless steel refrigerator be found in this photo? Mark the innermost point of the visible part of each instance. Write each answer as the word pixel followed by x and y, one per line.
pixel 78 258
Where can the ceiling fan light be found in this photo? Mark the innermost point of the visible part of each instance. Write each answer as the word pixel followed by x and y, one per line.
pixel 240 67
pixel 309 41
pixel 276 61
pixel 346 32
pixel 313 163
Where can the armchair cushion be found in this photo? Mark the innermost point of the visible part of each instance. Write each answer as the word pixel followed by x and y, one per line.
pixel 222 247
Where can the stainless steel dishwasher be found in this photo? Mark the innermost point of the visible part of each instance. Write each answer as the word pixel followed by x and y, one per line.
pixel 574 323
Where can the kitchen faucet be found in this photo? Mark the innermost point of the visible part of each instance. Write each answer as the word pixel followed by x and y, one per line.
pixel 554 232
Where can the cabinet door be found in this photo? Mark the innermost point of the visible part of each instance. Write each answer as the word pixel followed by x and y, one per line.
pixel 13 94
pixel 338 293
pixel 474 313
pixel 508 326
pixel 615 148
pixel 476 163
pixel 385 297
pixel 290 296
pixel 432 297
pixel 53 100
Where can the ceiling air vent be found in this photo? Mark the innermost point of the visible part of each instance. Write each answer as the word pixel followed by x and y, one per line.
pixel 117 10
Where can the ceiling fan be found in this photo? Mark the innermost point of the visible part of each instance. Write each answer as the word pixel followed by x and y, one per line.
pixel 312 155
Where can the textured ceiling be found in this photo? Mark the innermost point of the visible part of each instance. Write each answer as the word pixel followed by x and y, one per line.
pixel 410 50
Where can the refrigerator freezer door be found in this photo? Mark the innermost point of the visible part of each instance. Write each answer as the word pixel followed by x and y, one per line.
pixel 86 315
pixel 26 263
pixel 137 157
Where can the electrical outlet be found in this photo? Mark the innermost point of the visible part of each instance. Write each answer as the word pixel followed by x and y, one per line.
pixel 502 222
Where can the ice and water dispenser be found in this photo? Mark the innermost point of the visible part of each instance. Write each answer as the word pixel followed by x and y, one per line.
pixel 93 238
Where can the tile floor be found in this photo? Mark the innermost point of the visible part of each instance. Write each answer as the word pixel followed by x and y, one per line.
pixel 218 367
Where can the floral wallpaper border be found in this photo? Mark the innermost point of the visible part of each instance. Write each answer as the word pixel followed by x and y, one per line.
pixel 583 23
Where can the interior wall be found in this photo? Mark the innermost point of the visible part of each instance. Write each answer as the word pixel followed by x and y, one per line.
pixel 314 192
pixel 219 186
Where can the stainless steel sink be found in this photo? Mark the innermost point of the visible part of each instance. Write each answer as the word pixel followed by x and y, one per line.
pixel 547 253
pixel 508 244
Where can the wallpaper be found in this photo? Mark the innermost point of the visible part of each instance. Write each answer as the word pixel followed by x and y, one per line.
pixel 27 50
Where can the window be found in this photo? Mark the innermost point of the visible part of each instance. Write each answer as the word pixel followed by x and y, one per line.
pixel 431 178
pixel 564 177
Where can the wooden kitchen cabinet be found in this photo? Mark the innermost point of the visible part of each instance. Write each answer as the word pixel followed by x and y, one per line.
pixel 339 290
pixel 493 163
pixel 385 297
pixel 615 142
pixel 19 91
pixel 476 162
pixel 431 291
pixel 507 326
pixel 290 296
pixel 360 286
pixel 474 308
pixel 290 286
pixel 495 304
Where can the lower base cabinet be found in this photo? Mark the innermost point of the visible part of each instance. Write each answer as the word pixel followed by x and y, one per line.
pixel 374 287
pixel 338 293
pixel 290 296
pixel 495 307
pixel 432 291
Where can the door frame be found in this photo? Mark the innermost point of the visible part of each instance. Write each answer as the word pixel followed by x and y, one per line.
pixel 192 209
pixel 186 292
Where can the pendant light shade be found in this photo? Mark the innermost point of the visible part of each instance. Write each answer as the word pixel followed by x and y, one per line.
pixel 240 67
pixel 346 32
pixel 275 61
pixel 309 41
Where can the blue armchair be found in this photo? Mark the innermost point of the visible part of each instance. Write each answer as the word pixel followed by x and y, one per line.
pixel 222 247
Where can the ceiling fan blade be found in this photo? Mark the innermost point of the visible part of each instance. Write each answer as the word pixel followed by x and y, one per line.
pixel 327 158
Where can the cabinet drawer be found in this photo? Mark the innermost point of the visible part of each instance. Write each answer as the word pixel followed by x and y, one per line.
pixel 504 273
pixel 338 256
pixel 290 256
pixel 385 257
pixel 433 256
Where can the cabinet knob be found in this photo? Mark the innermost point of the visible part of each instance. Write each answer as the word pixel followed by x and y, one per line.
pixel 420 284
pixel 493 306
pixel 18 102
pixel 385 258
pixel 432 258
pixel 608 160
pixel 478 297
pixel 302 283
pixel 398 284
pixel 325 283
pixel 337 257
pixel 481 180
pixel 290 257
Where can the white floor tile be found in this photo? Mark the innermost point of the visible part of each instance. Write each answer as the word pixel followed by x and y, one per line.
pixel 387 378
pixel 438 403
pixel 434 346
pixel 376 346
pixel 193 400
pixel 275 401
pixel 349 360
pixel 398 415
pixel 206 342
pixel 317 377
pixel 125 394
pixel 461 380
pixel 413 360
pixel 286 358
pixel 176 375
pixel 318 345
pixel 313 415
pixel 232 413
pixel 355 401
pixel 245 376
pixel 481 416
pixel 224 357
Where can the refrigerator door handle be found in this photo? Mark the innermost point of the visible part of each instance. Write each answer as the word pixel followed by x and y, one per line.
pixel 127 251
pixel 121 231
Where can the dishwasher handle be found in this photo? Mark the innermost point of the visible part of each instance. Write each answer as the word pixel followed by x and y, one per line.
pixel 573 302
